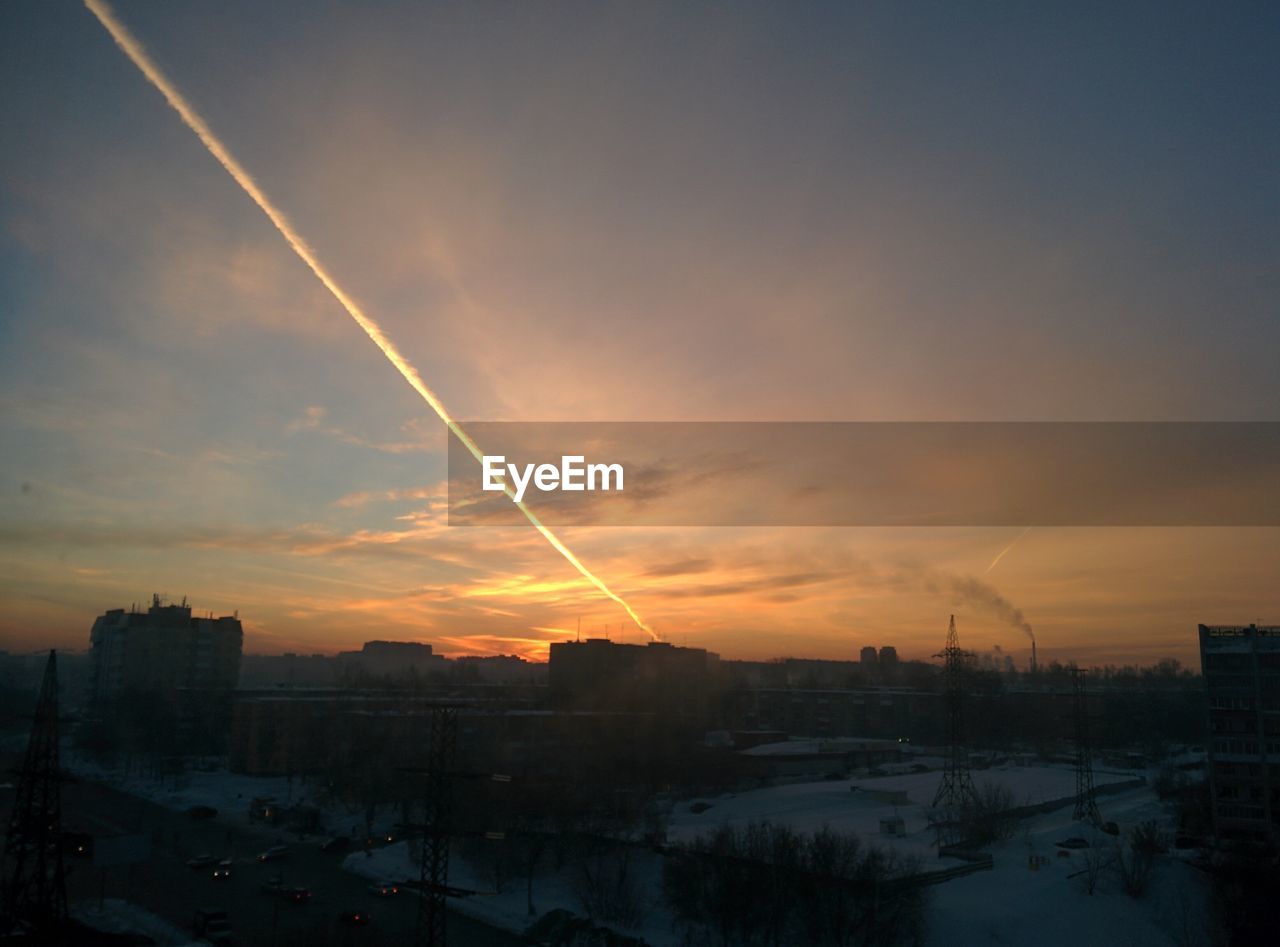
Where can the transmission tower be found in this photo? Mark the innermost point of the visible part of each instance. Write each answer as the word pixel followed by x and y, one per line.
pixel 956 788
pixel 35 891
pixel 1086 809
pixel 437 828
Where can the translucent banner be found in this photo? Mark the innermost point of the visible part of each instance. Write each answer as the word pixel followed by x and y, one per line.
pixel 868 474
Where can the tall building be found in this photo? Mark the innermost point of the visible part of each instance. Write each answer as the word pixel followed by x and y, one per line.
pixel 1241 668
pixel 888 664
pixel 189 665
pixel 867 657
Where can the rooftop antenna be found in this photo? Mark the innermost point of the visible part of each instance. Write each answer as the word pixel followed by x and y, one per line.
pixel 579 638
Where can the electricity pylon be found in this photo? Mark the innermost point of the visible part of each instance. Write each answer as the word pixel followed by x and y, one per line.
pixel 437 828
pixel 1086 808
pixel 956 789
pixel 35 889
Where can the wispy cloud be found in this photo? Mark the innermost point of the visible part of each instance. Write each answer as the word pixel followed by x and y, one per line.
pixel 365 497
pixel 422 438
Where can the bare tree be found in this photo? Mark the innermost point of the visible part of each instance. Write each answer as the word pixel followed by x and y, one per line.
pixel 606 884
pixel 991 815
pixel 1096 861
pixel 769 885
pixel 1135 857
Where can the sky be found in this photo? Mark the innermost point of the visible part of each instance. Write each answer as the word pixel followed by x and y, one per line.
pixel 593 211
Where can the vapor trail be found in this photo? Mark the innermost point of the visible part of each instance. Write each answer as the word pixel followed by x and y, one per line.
pixel 137 54
pixel 1005 550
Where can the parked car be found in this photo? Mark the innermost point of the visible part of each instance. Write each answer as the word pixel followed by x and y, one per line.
pixel 202 812
pixel 339 843
pixel 384 889
pixel 274 853
pixel 202 861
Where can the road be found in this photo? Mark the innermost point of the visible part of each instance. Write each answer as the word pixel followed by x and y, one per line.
pixel 166 886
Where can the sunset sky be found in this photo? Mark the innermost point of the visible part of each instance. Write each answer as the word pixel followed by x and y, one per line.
pixel 632 211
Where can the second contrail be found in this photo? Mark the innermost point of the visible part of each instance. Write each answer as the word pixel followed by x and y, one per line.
pixel 1005 551
pixel 137 54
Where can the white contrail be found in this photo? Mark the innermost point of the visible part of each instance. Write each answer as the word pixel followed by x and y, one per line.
pixel 1005 550
pixel 137 54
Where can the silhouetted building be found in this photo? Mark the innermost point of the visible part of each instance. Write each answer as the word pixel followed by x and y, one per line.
pixel 306 730
pixel 501 669
pixel 657 677
pixel 392 658
pixel 396 663
pixel 867 657
pixel 816 672
pixel 186 666
pixel 338 731
pixel 819 758
pixel 888 664
pixel 1241 668
pixel 877 712
pixel 288 670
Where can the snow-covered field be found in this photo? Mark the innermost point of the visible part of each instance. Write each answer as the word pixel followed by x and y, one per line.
pixel 508 910
pixel 809 806
pixel 118 916
pixel 229 793
pixel 1049 907
pixel 1011 904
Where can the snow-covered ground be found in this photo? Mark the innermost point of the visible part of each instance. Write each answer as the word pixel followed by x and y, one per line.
pixel 229 793
pixel 116 916
pixel 508 909
pixel 1011 904
pixel 834 803
pixel 1049 906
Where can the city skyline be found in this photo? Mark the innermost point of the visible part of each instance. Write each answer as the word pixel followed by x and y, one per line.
pixel 641 214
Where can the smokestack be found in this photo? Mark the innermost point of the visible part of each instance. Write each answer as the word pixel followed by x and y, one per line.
pixel 1033 655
